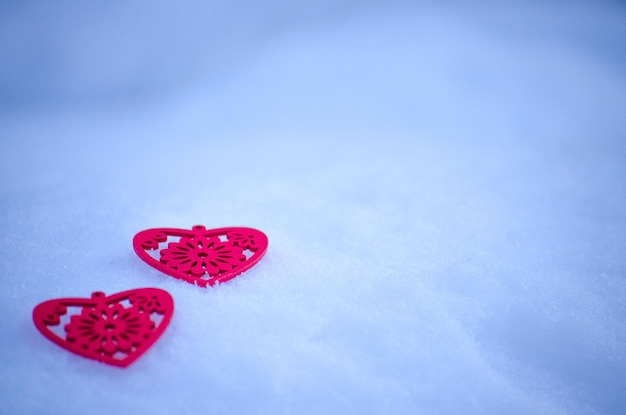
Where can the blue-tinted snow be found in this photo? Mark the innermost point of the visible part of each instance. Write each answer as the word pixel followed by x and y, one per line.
pixel 443 186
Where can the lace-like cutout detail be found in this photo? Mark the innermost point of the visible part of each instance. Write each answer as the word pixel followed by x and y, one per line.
pixel 200 256
pixel 116 329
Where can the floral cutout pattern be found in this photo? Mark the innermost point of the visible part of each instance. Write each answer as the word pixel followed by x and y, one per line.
pixel 116 329
pixel 109 328
pixel 200 256
pixel 244 240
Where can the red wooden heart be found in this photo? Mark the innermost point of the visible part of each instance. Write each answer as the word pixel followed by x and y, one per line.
pixel 116 329
pixel 200 256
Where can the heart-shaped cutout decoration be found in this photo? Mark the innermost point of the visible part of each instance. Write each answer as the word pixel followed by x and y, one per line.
pixel 114 329
pixel 201 256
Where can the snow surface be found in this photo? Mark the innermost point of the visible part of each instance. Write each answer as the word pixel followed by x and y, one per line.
pixel 443 187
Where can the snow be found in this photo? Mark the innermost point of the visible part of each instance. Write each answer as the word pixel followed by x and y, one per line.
pixel 443 188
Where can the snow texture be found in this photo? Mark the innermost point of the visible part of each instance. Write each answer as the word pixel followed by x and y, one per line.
pixel 443 187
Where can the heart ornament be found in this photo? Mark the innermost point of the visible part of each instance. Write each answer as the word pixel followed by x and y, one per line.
pixel 201 256
pixel 115 329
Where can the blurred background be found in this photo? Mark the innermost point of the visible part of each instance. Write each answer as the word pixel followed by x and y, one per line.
pixel 443 184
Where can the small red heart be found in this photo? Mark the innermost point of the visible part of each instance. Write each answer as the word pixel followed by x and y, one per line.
pixel 116 329
pixel 200 256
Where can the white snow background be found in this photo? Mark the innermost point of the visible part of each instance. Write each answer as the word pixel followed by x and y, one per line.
pixel 443 186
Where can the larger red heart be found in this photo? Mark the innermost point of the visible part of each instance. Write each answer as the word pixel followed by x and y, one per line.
pixel 116 329
pixel 200 256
